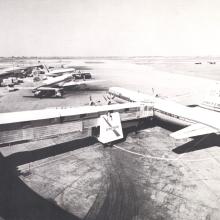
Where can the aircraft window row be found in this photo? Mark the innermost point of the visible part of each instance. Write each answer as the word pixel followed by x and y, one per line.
pixel 172 115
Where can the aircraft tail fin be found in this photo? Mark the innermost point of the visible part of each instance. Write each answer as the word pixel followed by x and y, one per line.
pixel 110 128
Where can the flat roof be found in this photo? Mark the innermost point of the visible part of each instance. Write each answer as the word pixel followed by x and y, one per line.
pixel 49 113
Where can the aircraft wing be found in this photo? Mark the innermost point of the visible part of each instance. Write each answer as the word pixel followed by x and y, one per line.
pixel 193 130
pixel 25 88
pixel 46 88
pixel 59 72
pixel 42 88
pixel 12 69
pixel 53 74
pixel 77 83
pixel 61 85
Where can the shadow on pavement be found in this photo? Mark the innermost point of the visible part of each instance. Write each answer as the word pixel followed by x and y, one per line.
pixel 198 143
pixel 19 202
pixel 30 156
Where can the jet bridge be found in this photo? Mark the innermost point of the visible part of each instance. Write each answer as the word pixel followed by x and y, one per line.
pixel 104 122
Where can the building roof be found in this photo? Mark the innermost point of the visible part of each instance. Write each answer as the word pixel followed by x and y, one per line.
pixel 49 113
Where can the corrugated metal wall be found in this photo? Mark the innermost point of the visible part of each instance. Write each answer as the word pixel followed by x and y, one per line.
pixel 39 132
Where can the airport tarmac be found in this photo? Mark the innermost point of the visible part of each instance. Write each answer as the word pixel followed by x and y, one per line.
pixel 147 176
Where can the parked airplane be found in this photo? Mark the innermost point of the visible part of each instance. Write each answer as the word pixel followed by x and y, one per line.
pixel 28 70
pixel 76 74
pixel 19 72
pixel 54 86
pixel 200 120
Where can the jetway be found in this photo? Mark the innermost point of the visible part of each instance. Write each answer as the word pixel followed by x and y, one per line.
pixel 80 122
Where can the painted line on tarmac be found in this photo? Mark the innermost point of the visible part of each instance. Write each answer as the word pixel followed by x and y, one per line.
pixel 161 158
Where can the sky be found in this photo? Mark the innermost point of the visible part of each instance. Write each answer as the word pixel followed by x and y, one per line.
pixel 109 28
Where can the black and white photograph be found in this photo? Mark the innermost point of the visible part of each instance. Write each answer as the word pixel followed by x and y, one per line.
pixel 109 110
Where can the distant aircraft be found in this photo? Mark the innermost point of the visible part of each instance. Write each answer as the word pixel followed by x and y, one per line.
pixel 54 82
pixel 211 62
pixel 14 75
pixel 20 72
pixel 62 71
pixel 29 70
pixel 54 86
pixel 200 120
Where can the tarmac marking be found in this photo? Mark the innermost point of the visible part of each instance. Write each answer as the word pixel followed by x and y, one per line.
pixel 161 158
pixel 170 159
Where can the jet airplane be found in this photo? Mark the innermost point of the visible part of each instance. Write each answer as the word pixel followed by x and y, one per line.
pixel 198 120
pixel 54 86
